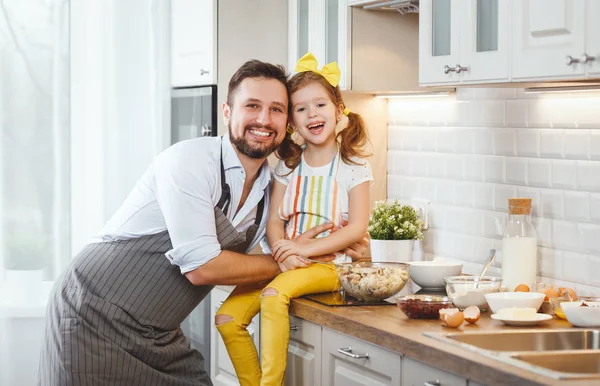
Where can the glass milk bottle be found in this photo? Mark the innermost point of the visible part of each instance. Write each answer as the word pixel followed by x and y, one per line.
pixel 519 245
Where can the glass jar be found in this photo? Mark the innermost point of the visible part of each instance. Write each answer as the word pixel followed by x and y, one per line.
pixel 519 245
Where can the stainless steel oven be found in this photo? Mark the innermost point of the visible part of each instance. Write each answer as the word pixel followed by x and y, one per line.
pixel 193 112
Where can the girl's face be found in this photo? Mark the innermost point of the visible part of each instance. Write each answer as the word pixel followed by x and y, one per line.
pixel 314 114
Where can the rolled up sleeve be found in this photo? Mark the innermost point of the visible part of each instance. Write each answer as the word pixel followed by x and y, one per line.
pixel 184 188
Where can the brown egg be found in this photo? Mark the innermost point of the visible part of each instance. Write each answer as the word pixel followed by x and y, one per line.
pixel 522 288
pixel 550 293
pixel 472 314
pixel 454 318
pixel 562 291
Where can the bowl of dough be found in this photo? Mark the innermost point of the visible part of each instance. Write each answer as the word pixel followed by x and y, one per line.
pixel 372 281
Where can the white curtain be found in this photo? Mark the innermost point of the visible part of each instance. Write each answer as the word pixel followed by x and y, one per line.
pixel 84 108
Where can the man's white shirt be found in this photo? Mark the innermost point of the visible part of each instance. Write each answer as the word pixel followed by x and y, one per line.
pixel 178 193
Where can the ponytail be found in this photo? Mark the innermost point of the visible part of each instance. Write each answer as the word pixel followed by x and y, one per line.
pixel 353 138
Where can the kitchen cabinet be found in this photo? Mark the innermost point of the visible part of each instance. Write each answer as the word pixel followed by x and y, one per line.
pixel 415 373
pixel 463 41
pixel 321 27
pixel 222 372
pixel 350 361
pixel 193 42
pixel 592 39
pixel 304 354
pixel 545 34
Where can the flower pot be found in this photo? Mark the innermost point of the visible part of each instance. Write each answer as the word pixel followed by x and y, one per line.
pixel 399 251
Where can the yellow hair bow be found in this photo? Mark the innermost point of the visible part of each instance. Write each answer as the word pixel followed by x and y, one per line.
pixel 331 71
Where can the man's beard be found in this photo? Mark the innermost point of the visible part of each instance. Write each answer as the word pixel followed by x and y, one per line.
pixel 254 151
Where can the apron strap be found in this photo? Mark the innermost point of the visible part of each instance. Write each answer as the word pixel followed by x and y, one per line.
pixel 225 199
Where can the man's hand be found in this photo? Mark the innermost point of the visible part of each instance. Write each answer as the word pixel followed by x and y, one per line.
pixel 293 262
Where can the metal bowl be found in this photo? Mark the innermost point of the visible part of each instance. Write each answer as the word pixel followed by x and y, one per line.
pixel 372 281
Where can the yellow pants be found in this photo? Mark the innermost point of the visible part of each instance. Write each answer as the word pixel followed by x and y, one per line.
pixel 246 301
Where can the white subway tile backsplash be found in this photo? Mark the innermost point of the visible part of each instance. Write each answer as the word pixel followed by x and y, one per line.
pixel 473 167
pixel 494 169
pixel 505 141
pixel 564 174
pixel 501 195
pixel 588 176
pixel 589 238
pixel 550 263
pixel 528 143
pixel 564 235
pixel 464 141
pixel 446 141
pixel 469 153
pixel 543 228
pixel 455 167
pixel 484 196
pixel 538 172
pixel 516 171
pixel 552 143
pixel 577 144
pixel 595 208
pixel 595 144
pixel 516 113
pixel 446 192
pixel 553 203
pixel 483 141
pixel 574 264
pixel 577 206
pixel 495 113
pixel 427 139
pixel 463 194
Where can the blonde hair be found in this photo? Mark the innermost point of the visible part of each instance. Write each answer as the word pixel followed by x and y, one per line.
pixel 351 139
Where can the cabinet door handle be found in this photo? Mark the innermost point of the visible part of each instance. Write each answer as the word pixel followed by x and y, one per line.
pixel 433 383
pixel 348 352
pixel 204 72
pixel 569 60
pixel 294 328
pixel 586 58
pixel 460 69
pixel 448 69
pixel 221 303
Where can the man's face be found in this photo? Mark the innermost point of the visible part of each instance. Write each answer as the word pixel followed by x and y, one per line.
pixel 258 117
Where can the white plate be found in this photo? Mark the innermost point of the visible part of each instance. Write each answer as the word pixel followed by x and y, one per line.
pixel 528 322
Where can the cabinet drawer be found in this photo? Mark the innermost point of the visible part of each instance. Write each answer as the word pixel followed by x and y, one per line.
pixel 347 360
pixel 304 332
pixel 416 373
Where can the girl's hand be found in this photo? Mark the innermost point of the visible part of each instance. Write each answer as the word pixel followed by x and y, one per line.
pixel 282 249
pixel 293 262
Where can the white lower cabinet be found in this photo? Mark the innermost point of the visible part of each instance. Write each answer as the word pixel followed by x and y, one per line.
pixel 304 354
pixel 222 372
pixel 416 373
pixel 348 361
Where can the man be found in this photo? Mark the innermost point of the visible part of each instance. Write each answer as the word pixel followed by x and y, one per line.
pixel 114 315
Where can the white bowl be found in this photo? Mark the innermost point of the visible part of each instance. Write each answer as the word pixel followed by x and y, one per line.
pixel 582 316
pixel 430 274
pixel 499 300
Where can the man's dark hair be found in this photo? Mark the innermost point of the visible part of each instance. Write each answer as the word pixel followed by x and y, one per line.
pixel 256 69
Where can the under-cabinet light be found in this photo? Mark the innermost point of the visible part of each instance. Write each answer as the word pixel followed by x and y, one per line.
pixel 429 94
pixel 559 89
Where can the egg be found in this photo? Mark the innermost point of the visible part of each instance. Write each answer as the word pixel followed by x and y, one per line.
pixel 522 288
pixel 567 292
pixel 472 314
pixel 550 293
pixel 453 317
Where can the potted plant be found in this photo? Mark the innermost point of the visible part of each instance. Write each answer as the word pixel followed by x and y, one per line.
pixel 393 228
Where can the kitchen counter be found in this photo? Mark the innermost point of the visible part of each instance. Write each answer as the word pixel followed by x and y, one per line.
pixel 388 327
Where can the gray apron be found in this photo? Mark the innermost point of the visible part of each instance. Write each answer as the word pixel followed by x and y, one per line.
pixel 114 315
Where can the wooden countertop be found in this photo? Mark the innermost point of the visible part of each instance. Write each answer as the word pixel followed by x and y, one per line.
pixel 388 327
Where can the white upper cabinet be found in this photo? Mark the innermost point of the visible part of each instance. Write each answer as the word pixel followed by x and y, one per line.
pixel 548 39
pixel 592 50
pixel 463 41
pixel 193 42
pixel 318 26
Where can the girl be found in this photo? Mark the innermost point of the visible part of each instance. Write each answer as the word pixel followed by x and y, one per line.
pixel 327 180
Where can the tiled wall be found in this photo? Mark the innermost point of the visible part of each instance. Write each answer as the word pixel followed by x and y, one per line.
pixel 468 153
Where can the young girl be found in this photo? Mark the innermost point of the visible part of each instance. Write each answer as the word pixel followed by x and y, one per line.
pixel 327 180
